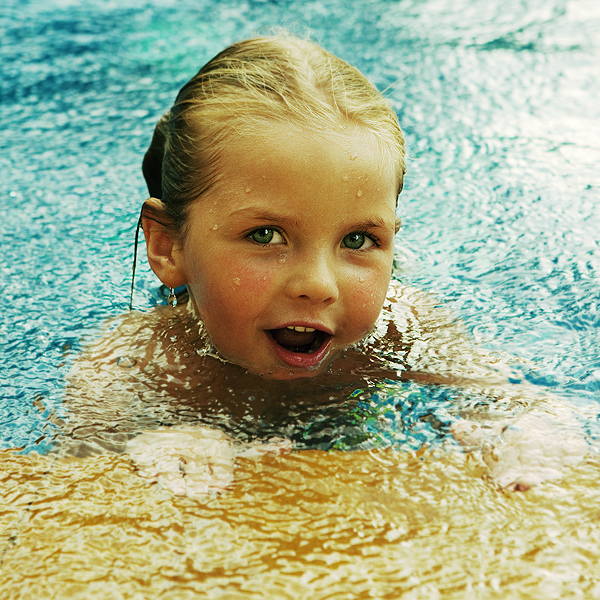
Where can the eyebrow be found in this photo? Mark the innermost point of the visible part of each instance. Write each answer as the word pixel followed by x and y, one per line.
pixel 376 224
pixel 261 214
pixel 273 217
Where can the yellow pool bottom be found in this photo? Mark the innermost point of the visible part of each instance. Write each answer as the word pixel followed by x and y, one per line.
pixel 315 525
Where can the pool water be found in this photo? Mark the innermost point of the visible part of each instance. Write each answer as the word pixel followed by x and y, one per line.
pixel 501 213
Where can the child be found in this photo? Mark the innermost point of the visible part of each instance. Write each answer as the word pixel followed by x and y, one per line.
pixel 274 181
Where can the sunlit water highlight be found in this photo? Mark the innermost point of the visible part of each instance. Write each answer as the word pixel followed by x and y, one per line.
pixel 501 217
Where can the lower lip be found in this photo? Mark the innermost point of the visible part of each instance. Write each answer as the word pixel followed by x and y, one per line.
pixel 300 360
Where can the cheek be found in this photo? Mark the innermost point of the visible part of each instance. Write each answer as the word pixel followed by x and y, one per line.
pixel 250 279
pixel 236 285
pixel 368 292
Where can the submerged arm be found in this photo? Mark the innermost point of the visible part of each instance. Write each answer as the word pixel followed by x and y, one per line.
pixel 524 434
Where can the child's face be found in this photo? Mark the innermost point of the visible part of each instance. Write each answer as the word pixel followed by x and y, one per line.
pixel 288 258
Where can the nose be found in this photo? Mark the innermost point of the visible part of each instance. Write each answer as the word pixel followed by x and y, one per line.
pixel 314 278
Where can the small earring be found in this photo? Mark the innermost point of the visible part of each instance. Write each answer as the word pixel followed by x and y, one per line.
pixel 172 299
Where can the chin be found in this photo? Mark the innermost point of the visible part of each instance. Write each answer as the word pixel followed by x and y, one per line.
pixel 287 375
pixel 284 373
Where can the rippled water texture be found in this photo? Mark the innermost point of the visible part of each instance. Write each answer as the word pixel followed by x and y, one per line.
pixel 499 103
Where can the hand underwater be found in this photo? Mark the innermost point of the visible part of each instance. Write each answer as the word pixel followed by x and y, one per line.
pixel 187 461
pixel 193 461
pixel 523 453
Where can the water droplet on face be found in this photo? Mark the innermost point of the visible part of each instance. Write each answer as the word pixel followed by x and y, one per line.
pixel 215 227
pixel 248 189
pixel 345 177
pixel 125 362
pixel 359 193
pixel 282 258
pixel 354 156
pixel 237 281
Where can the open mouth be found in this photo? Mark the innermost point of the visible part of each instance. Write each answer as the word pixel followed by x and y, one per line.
pixel 301 347
pixel 304 340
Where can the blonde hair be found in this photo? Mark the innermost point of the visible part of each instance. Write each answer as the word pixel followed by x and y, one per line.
pixel 279 78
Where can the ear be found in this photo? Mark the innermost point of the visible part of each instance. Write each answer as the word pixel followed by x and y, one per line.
pixel 163 245
pixel 398 224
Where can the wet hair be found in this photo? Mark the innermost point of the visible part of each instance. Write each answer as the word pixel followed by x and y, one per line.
pixel 264 79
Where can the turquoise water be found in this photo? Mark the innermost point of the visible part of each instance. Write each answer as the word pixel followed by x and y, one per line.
pixel 501 208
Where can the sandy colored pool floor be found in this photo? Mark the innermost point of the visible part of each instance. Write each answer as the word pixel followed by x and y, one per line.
pixel 377 524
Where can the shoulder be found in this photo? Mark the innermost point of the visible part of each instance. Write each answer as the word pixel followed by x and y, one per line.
pixel 145 351
pixel 123 339
pixel 125 352
pixel 409 303
pixel 435 342
pixel 109 388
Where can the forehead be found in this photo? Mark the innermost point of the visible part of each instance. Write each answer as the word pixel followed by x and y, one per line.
pixel 272 150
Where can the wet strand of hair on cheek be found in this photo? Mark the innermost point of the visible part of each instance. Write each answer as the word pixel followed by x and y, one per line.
pixel 135 249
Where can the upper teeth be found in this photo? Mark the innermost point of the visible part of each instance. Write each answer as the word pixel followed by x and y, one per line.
pixel 300 328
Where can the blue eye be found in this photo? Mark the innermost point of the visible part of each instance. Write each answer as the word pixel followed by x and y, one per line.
pixel 357 241
pixel 266 235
